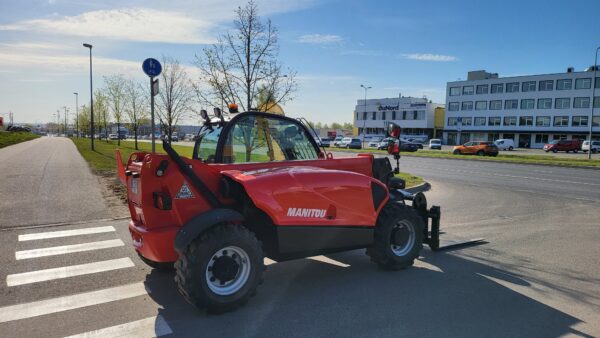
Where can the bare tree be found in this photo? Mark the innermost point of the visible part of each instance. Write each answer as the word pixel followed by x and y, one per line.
pixel 115 92
pixel 175 96
pixel 84 119
pixel 243 63
pixel 135 106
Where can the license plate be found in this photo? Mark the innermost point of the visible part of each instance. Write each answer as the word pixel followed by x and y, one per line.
pixel 134 185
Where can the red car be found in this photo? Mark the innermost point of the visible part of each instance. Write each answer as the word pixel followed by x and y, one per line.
pixel 563 145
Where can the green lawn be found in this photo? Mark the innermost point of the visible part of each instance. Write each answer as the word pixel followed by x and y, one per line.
pixel 103 158
pixel 8 138
pixel 532 159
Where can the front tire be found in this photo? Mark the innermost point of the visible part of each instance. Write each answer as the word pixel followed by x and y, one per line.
pixel 220 270
pixel 456 152
pixel 398 237
pixel 555 151
pixel 510 148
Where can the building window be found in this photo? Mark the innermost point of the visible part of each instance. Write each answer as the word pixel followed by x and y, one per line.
pixel 357 116
pixel 512 87
pixel 546 85
pixel 562 103
pixel 497 88
pixel 494 121
pixel 561 121
pixel 421 115
pixel 452 121
pixel 595 121
pixel 467 121
pixel 481 105
pixel 383 115
pixel 364 115
pixel 583 83
pixel 510 120
pixel 564 84
pixel 528 86
pixel 454 91
pixel 393 115
pixel 559 137
pixel 544 103
pixel 453 106
pixel 542 121
pixel 374 116
pixel 597 82
pixel 580 121
pixel 467 105
pixel 495 104
pixel 467 90
pixel 581 102
pixel 527 103
pixel 541 138
pixel 482 89
pixel 511 104
pixel 596 101
pixel 526 120
pixel 404 114
pixel 480 121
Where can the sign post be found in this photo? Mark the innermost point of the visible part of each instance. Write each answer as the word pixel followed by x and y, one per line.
pixel 152 68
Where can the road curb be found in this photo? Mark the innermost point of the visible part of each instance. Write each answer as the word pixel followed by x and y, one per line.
pixel 425 186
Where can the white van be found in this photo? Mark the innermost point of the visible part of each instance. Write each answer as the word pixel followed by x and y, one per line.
pixel 505 144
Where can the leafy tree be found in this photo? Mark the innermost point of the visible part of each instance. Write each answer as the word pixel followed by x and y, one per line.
pixel 101 112
pixel 115 93
pixel 175 96
pixel 135 106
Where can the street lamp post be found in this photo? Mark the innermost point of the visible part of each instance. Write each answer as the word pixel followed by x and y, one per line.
pixel 66 119
pixel 77 114
pixel 58 122
pixel 591 122
pixel 87 45
pixel 366 88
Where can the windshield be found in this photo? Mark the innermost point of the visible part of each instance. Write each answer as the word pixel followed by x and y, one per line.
pixel 206 144
pixel 554 142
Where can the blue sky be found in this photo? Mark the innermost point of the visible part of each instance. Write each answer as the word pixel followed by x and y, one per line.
pixel 408 47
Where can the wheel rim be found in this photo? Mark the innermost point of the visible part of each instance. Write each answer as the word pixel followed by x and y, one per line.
pixel 228 270
pixel 403 238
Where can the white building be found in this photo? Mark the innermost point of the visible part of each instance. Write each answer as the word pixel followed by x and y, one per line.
pixel 414 115
pixel 531 110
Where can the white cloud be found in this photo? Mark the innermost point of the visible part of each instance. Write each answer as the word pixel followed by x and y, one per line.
pixel 320 39
pixel 134 24
pixel 429 57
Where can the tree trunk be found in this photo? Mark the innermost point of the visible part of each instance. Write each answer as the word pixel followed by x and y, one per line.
pixel 118 132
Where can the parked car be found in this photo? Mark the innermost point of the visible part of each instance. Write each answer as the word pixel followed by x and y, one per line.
pixel 563 145
pixel 326 142
pixel 356 143
pixel 113 137
pixel 188 137
pixel 435 143
pixel 374 142
pixel 409 146
pixel 337 140
pixel 595 145
pixel 479 148
pixel 417 143
pixel 344 142
pixel 383 144
pixel 505 144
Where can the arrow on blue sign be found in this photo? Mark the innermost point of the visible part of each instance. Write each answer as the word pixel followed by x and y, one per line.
pixel 152 67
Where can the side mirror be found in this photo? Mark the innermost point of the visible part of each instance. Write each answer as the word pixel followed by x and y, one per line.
pixel 219 114
pixel 394 130
pixel 204 115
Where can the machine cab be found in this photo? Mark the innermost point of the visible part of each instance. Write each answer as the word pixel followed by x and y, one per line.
pixel 254 137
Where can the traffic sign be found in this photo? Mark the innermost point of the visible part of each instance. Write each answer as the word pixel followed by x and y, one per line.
pixel 155 87
pixel 151 67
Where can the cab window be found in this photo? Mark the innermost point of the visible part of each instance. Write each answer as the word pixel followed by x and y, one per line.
pixel 258 138
pixel 206 144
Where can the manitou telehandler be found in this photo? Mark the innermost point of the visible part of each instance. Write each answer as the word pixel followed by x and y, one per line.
pixel 258 186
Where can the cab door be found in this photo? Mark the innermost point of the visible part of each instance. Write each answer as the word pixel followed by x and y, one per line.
pixel 470 148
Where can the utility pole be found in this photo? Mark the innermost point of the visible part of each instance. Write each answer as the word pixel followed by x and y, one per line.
pixel 594 84
pixel 77 113
pixel 364 115
pixel 58 122
pixel 87 45
pixel 66 118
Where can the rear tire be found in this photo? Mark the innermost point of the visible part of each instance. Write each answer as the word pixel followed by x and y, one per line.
pixel 220 270
pixel 480 153
pixel 398 237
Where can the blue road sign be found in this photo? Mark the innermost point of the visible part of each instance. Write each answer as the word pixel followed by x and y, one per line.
pixel 151 67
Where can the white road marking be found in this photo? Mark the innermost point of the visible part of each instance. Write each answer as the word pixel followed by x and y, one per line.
pixel 65 233
pixel 60 304
pixel 147 327
pixel 324 259
pixel 67 271
pixel 66 249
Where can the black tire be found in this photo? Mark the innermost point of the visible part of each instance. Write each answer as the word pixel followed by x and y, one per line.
pixel 510 148
pixel 480 153
pixel 576 151
pixel 392 219
pixel 456 152
pixel 555 151
pixel 192 268
pixel 157 265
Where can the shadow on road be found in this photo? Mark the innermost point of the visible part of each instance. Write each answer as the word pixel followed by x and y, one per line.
pixel 445 295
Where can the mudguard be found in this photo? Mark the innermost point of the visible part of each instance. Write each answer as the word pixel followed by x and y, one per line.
pixel 197 225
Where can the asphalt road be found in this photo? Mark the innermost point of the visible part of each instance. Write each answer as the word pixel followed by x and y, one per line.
pixel 537 275
pixel 46 181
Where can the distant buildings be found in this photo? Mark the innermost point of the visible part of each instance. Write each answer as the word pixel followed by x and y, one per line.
pixel 531 110
pixel 415 115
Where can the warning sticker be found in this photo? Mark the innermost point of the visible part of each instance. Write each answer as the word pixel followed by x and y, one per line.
pixel 184 192
pixel 134 186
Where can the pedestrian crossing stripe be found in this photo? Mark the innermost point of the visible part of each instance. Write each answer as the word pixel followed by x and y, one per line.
pixel 147 327
pixel 65 233
pixel 66 249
